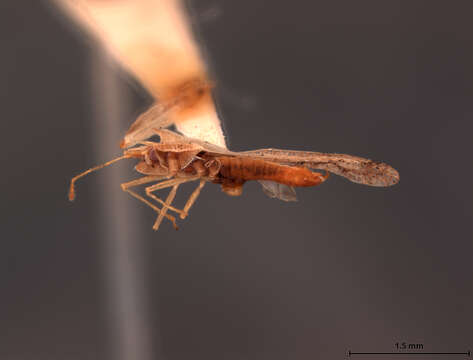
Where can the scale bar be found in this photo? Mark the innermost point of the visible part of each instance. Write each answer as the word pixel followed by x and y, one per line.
pixel 468 353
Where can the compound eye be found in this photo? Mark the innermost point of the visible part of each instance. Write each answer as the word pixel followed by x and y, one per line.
pixel 153 156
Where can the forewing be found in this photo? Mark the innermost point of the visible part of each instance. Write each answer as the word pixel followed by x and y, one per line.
pixel 169 137
pixel 355 169
pixel 156 117
pixel 152 39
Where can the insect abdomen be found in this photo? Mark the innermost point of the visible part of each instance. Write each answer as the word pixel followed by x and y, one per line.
pixel 244 169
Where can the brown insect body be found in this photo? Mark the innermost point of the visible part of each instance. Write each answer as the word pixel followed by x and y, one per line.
pixel 178 159
pixel 167 62
pixel 237 171
pixel 230 172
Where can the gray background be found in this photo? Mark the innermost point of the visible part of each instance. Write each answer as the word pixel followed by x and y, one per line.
pixel 347 267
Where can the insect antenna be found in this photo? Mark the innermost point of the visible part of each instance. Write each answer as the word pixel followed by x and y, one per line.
pixel 72 193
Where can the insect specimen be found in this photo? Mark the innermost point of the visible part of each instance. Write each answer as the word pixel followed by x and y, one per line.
pixel 177 159
pixel 152 40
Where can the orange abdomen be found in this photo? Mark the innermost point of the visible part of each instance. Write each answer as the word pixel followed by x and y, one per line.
pixel 241 169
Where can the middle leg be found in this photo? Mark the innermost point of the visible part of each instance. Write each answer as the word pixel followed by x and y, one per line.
pixel 167 204
pixel 164 184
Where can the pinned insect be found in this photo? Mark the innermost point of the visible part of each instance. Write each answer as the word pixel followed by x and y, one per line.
pixel 157 47
pixel 177 159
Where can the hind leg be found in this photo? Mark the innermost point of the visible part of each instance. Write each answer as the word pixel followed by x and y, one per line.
pixel 167 203
pixel 192 199
pixel 146 179
pixel 165 184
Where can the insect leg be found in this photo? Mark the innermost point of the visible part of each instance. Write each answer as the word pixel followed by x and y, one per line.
pixel 169 200
pixel 72 192
pixel 163 185
pixel 192 199
pixel 146 179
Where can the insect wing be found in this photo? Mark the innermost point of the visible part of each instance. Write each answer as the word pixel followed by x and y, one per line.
pixel 353 168
pixel 278 191
pixel 142 129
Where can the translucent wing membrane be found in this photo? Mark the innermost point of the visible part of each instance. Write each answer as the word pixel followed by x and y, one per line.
pixel 142 129
pixel 189 107
pixel 278 191
pixel 355 169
